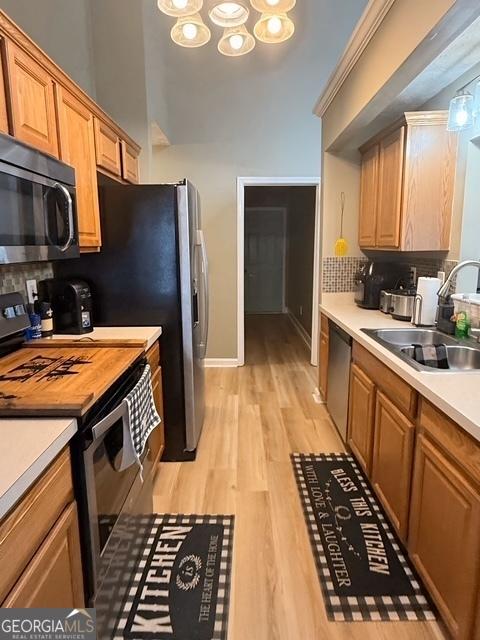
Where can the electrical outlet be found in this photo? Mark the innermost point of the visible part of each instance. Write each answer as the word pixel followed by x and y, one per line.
pixel 32 291
pixel 413 274
pixel 301 310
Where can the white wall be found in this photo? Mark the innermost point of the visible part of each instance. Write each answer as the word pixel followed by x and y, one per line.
pixel 250 116
pixel 62 29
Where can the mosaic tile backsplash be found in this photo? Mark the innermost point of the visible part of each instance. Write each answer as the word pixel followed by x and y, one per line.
pixel 13 277
pixel 338 274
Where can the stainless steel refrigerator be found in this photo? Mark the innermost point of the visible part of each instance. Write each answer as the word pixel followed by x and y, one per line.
pixel 153 270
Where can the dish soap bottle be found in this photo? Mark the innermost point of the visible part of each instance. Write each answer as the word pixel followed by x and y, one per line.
pixel 462 325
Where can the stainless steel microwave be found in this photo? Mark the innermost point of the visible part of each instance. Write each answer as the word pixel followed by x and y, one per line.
pixel 38 218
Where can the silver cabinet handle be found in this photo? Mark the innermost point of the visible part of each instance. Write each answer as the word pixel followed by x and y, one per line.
pixel 69 202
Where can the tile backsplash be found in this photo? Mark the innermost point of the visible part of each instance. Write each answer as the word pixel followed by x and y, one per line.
pixel 13 277
pixel 338 274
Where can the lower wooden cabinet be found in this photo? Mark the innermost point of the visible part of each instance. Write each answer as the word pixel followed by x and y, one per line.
pixel 54 576
pixel 323 365
pixel 444 536
pixel 361 417
pixel 392 461
pixel 157 439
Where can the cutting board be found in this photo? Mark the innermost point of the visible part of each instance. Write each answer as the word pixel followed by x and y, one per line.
pixel 60 381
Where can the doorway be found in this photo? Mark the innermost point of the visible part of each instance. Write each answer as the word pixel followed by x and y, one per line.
pixel 279 254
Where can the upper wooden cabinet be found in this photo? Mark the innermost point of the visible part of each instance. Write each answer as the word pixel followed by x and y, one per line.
pixel 32 101
pixel 407 182
pixel 77 148
pixel 107 147
pixel 4 127
pixel 130 171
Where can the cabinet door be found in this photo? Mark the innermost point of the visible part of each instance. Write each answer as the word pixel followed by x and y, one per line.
pixel 392 461
pixel 369 197
pixel 323 367
pixel 4 128
pixel 390 187
pixel 130 171
pixel 77 148
pixel 54 576
pixel 107 146
pixel 444 540
pixel 33 101
pixel 361 417
pixel 157 439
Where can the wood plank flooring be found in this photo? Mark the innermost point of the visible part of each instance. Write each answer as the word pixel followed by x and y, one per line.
pixel 256 416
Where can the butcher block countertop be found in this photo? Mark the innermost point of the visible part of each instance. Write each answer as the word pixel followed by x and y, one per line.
pixel 143 337
pixel 60 381
pixel 27 448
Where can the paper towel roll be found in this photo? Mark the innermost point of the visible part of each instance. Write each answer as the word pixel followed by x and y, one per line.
pixel 426 301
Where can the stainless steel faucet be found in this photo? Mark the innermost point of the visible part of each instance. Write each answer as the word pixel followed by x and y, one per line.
pixel 443 294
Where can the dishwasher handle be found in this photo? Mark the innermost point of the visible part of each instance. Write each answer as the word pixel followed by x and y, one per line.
pixel 340 333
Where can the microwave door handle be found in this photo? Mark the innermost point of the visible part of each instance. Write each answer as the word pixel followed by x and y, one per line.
pixel 69 208
pixel 100 429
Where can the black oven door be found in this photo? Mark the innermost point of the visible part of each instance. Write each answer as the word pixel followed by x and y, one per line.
pixel 38 217
pixel 111 493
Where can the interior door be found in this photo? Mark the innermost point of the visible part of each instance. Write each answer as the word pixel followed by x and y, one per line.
pixel 264 260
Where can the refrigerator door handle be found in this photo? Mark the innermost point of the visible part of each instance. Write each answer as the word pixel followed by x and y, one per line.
pixel 204 259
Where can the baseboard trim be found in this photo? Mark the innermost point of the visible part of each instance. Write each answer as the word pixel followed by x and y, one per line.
pixel 220 362
pixel 300 330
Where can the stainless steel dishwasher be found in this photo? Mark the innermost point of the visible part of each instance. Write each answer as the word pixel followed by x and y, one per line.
pixel 339 358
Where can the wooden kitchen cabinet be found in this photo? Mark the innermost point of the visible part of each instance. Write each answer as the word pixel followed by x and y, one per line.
pixel 444 540
pixel 32 101
pixel 54 576
pixel 130 170
pixel 390 180
pixel 4 126
pixel 369 197
pixel 407 182
pixel 323 356
pixel 157 437
pixel 77 148
pixel 361 417
pixel 107 146
pixel 392 461
pixel 39 544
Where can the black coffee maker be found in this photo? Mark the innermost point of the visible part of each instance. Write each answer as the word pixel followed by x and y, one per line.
pixel 71 302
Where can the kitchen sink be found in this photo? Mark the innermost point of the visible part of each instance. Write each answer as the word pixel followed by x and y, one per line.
pixel 462 355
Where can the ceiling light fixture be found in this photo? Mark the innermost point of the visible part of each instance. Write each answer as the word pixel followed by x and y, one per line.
pixel 190 32
pixel 460 113
pixel 273 28
pixel 180 8
pixel 228 14
pixel 266 6
pixel 236 41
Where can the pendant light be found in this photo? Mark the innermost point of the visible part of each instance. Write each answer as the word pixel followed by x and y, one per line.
pixel 180 8
pixel 190 31
pixel 273 28
pixel 268 6
pixel 228 14
pixel 236 41
pixel 460 113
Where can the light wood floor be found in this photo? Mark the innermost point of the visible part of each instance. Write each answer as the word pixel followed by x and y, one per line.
pixel 256 416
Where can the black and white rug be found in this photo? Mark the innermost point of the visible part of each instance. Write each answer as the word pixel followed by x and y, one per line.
pixel 363 570
pixel 181 585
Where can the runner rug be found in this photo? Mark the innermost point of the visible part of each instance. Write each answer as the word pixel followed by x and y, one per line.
pixel 363 570
pixel 181 587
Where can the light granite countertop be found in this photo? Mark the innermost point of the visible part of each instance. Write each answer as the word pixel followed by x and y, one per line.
pixel 28 446
pixel 455 393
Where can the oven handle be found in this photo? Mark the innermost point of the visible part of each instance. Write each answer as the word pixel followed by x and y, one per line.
pixel 104 425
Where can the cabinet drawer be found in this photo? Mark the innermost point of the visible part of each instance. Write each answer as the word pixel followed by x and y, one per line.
pixel 107 148
pixel 54 576
pixel 392 385
pixel 129 163
pixel 456 442
pixel 25 528
pixel 153 356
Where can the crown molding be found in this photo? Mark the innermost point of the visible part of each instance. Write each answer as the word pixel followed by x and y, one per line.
pixel 370 21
